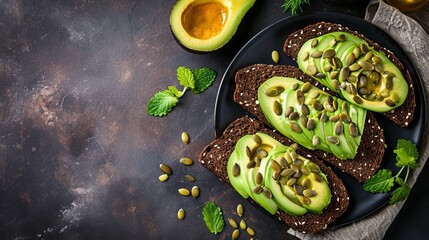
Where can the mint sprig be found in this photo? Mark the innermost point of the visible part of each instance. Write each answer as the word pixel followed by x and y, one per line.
pixel 213 217
pixel 406 158
pixel 197 80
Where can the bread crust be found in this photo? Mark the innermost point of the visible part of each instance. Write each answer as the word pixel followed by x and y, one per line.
pixel 216 154
pixel 401 116
pixel 371 150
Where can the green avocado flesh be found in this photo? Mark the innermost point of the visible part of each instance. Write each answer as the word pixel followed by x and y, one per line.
pixel 312 117
pixel 207 25
pixel 348 66
pixel 276 177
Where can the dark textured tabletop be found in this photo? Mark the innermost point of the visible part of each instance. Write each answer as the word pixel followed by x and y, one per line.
pixel 79 155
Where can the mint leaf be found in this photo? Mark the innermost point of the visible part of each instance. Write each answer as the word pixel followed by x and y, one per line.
pixel 213 217
pixel 400 194
pixel 204 77
pixel 406 154
pixel 175 91
pixel 185 77
pixel 380 182
pixel 161 103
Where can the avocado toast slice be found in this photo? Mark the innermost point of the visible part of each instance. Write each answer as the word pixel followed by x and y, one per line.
pixel 370 150
pixel 215 157
pixel 355 67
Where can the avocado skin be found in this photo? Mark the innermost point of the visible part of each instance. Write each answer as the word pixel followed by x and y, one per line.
pixel 237 9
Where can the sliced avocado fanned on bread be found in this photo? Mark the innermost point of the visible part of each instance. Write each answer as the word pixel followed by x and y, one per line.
pixel 358 69
pixel 284 178
pixel 370 149
pixel 312 117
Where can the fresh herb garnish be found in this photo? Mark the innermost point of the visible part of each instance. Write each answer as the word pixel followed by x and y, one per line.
pixel 196 80
pixel 294 5
pixel 383 181
pixel 213 217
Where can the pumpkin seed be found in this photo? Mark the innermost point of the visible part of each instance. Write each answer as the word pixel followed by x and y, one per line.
pixel 288 111
pixel 311 70
pixel 354 67
pixel 334 118
pixel 336 84
pixel 333 74
pixel 336 62
pixel 309 193
pixel 195 191
pixel 310 124
pixel 291 182
pixel 344 107
pixel 379 67
pixel 250 231
pixel 323 117
pixel 243 224
pixel 366 65
pixel 191 178
pixel 317 106
pixel 251 164
pixel 328 53
pixel 320 75
pixel 295 127
pixel 357 99
pixel 327 68
pixel 395 97
pixel 342 38
pixel 275 56
pixel 232 223
pixel 372 97
pixel 276 176
pixel 363 91
pixel 316 54
pixel 344 74
pixel 181 214
pixel 185 137
pixel 275 166
pixel 184 192
pixel 332 42
pixel 352 79
pixel 267 193
pixel 163 177
pixel 186 161
pixel 261 152
pixel 298 189
pixel 287 172
pixel 368 56
pixel 318 178
pixel 390 103
pixel 314 168
pixel 305 110
pixel 305 87
pixel 271 92
pixel 314 42
pixel 376 59
pixel 294 86
pixel 257 139
pixel 258 178
pixel 283 162
pixel 257 161
pixel 248 152
pixel 235 234
pixel 257 189
pixel 335 104
pixel 165 169
pixel 315 140
pixel 305 183
pixel 350 59
pixel 374 78
pixel 305 170
pixel 353 129
pixel 328 107
pixel 240 210
pixel 303 120
pixel 363 80
pixel 313 94
pixel 235 170
pixel 364 48
pixel 389 82
pixel 344 117
pixel 339 128
pixel 294 116
pixel 332 139
pixel 356 52
pixel 299 96
pixel 305 56
pixel 277 108
pixel 297 175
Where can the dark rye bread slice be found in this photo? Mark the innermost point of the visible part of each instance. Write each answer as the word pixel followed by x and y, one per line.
pixel 371 149
pixel 403 115
pixel 215 157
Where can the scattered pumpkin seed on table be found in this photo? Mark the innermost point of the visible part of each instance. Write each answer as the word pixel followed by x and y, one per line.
pixel 186 161
pixel 185 137
pixel 165 169
pixel 184 192
pixel 240 210
pixel 163 177
pixel 181 214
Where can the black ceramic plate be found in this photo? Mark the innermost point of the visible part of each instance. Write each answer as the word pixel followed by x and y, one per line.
pixel 258 50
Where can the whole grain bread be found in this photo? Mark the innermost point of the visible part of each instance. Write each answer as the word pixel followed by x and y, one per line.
pixel 216 154
pixel 371 149
pixel 403 115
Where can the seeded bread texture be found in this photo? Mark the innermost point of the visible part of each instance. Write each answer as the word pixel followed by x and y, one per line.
pixel 403 115
pixel 215 157
pixel 371 149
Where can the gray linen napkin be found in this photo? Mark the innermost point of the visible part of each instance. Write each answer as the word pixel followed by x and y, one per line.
pixel 405 29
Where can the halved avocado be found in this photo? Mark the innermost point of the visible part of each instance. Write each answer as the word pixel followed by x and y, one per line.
pixel 207 25
pixel 362 75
